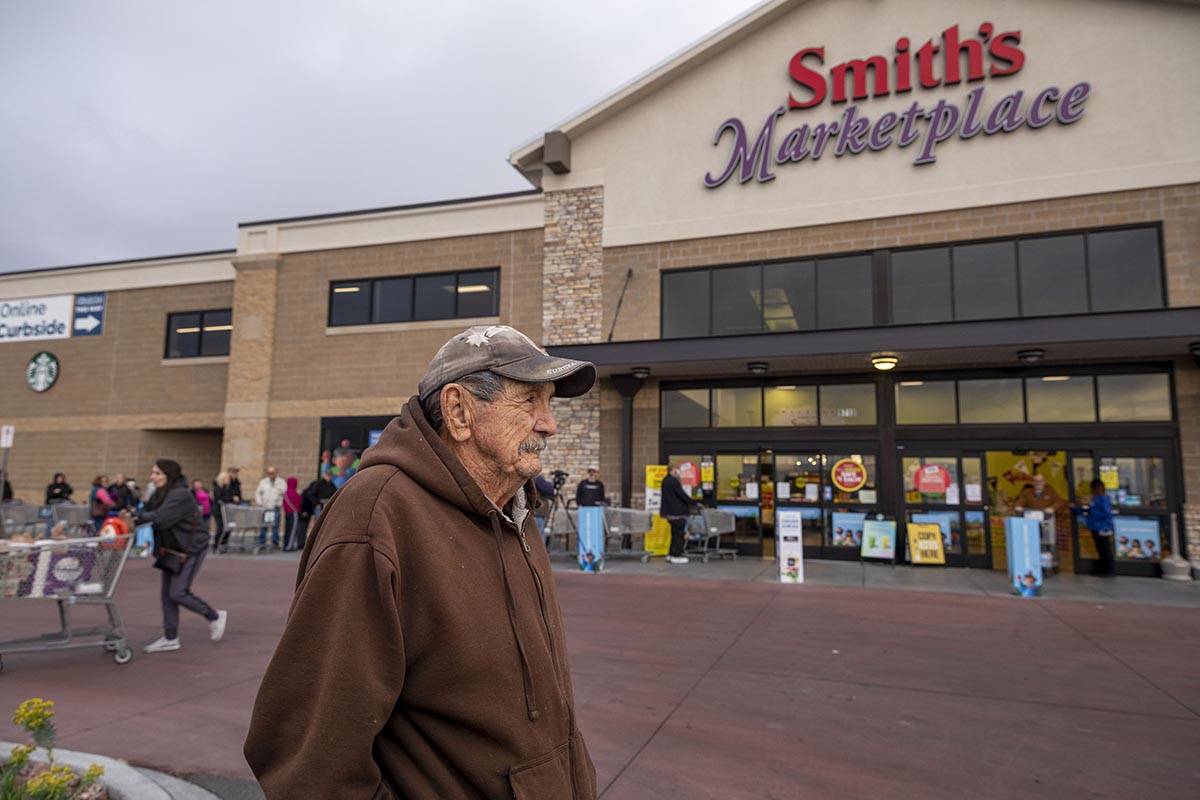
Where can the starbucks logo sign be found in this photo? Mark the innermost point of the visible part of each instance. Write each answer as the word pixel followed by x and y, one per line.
pixel 42 371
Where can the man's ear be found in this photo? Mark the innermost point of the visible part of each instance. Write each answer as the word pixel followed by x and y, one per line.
pixel 457 411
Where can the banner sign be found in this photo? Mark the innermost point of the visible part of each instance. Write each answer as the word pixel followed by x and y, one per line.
pixel 654 478
pixel 848 475
pixel 925 543
pixel 1137 539
pixel 36 318
pixel 847 529
pixel 944 521
pixel 922 125
pixel 879 539
pixel 789 527
pixel 1023 543
pixel 591 538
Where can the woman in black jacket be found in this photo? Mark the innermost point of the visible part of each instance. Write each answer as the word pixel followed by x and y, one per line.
pixel 179 536
pixel 59 491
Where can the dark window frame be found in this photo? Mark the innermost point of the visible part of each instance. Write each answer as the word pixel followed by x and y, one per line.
pixel 412 278
pixel 200 341
pixel 882 268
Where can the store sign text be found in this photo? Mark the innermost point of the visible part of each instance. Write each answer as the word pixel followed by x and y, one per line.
pixel 988 55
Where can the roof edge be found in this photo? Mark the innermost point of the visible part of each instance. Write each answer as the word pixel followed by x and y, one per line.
pixel 483 198
pixel 119 262
pixel 665 70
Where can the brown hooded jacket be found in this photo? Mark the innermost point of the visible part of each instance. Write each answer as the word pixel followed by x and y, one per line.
pixel 423 655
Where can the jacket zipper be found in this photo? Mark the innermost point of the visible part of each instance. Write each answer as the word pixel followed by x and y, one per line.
pixel 537 581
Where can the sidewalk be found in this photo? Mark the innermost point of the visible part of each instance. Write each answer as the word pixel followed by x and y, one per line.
pixel 697 688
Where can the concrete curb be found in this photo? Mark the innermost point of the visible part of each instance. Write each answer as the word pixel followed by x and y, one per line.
pixel 123 781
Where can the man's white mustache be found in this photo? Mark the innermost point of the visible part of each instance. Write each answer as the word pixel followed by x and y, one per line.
pixel 535 444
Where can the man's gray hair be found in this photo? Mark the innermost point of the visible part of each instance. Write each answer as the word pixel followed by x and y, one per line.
pixel 484 385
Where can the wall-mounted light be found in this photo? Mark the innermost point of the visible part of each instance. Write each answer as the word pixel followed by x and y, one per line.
pixel 884 361
pixel 757 367
pixel 1194 349
pixel 1031 356
pixel 641 373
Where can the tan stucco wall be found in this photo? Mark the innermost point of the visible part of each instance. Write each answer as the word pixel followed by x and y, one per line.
pixel 1139 128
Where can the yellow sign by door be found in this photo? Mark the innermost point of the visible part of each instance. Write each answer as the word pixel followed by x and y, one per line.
pixel 925 543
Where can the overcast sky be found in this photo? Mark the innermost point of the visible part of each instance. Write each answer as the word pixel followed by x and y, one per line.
pixel 132 129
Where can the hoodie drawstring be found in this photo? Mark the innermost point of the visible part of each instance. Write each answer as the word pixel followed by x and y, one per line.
pixel 526 671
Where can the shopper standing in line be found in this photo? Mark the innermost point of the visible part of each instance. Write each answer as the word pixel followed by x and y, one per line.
pixel 59 491
pixel 269 494
pixel 221 494
pixel 590 491
pixel 180 544
pixel 676 506
pixel 204 500
pixel 291 513
pixel 235 486
pixel 120 494
pixel 100 501
pixel 1098 516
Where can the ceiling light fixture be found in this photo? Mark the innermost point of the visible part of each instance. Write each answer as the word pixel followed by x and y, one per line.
pixel 757 367
pixel 641 373
pixel 884 361
pixel 1031 356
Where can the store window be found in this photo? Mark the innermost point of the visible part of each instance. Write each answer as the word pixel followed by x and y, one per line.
pixel 195 334
pixel 1135 481
pixel 844 292
pixel 790 406
pixel 1060 398
pixel 691 473
pixel 1123 270
pixel 451 295
pixel 1053 276
pixel 850 478
pixel 925 403
pixel 990 401
pixel 798 478
pixel 737 478
pixel 790 296
pixel 1134 398
pixel 739 407
pixel 685 304
pixel 847 404
pixel 737 300
pixel 985 281
pixel 920 281
pixel 931 480
pixel 685 408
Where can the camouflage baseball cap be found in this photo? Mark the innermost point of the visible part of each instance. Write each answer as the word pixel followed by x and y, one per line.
pixel 508 352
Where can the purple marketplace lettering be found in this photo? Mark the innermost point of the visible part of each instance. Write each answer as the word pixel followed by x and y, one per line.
pixel 853 132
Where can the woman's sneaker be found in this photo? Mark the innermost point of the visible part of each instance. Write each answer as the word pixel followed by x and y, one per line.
pixel 162 645
pixel 677 559
pixel 216 628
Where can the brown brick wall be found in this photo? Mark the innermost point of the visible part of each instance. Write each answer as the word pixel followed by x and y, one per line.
pixel 293 446
pixel 110 390
pixel 1177 207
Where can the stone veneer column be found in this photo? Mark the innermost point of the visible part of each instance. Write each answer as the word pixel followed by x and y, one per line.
pixel 572 272
pixel 1187 398
pixel 251 355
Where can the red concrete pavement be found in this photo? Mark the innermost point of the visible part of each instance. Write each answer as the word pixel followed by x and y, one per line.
pixel 721 689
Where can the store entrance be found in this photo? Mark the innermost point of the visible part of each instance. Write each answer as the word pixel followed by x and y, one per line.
pixel 833 487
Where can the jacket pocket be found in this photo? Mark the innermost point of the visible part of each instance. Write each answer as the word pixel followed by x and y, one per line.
pixel 547 777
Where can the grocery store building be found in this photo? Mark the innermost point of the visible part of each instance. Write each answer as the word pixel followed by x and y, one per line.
pixel 1001 201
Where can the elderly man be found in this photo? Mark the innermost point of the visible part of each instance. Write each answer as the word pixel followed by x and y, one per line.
pixel 269 494
pixel 424 654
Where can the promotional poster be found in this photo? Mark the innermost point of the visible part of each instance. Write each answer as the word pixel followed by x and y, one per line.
pixel 879 539
pixel 846 529
pixel 925 543
pixel 591 538
pixel 1137 539
pixel 791 546
pixel 1024 555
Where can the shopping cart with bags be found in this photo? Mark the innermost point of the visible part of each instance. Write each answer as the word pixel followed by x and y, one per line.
pixel 81 571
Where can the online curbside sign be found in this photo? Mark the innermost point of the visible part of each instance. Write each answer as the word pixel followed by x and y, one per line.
pixel 36 318
pixel 987 54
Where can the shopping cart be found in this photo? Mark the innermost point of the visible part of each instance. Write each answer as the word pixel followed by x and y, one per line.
pixel 704 532
pixel 625 531
pixel 21 518
pixel 71 572
pixel 76 519
pixel 242 526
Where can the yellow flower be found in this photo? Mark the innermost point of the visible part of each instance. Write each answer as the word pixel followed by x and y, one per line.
pixel 53 781
pixel 93 773
pixel 34 713
pixel 20 755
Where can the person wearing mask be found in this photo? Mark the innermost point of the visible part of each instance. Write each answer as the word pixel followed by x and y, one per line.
pixel 204 500
pixel 291 513
pixel 676 506
pixel 222 493
pixel 590 491
pixel 58 491
pixel 120 494
pixel 1098 516
pixel 269 494
pixel 100 501
pixel 180 544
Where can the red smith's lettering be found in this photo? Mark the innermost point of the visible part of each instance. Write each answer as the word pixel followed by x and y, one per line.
pixel 879 76
pixel 948 60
